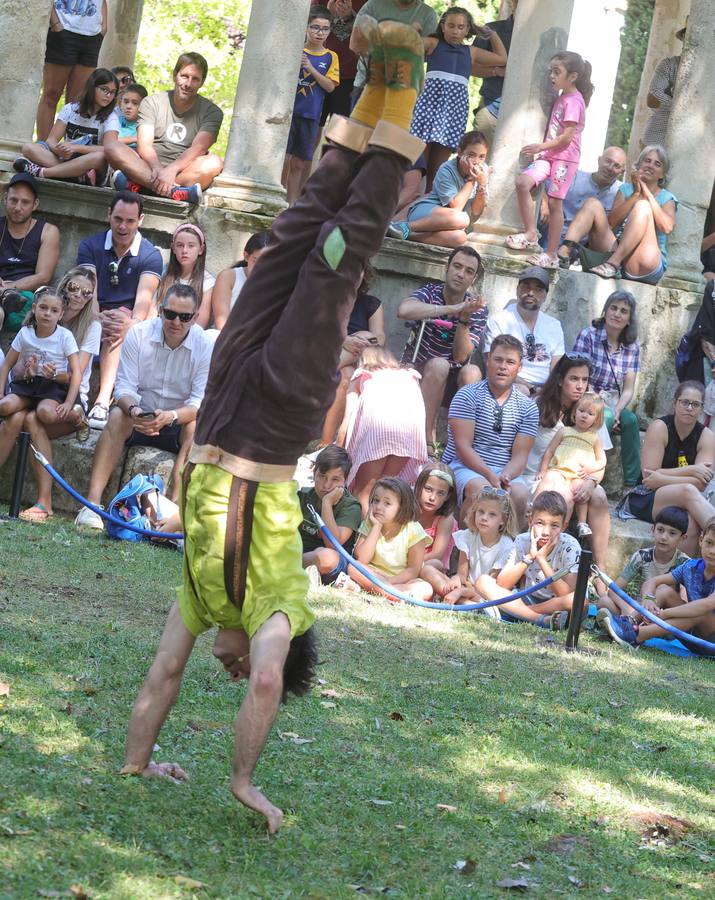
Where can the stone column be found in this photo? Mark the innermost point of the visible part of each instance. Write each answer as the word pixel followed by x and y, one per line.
pixel 251 179
pixel 119 46
pixel 540 29
pixel 668 17
pixel 690 131
pixel 23 30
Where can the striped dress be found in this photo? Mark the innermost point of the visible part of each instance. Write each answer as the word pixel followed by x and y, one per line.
pixel 389 420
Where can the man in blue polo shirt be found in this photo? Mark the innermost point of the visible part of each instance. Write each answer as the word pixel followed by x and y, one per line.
pixel 128 269
pixel 491 430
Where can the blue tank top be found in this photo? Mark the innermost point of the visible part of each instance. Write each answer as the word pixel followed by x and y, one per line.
pixel 451 60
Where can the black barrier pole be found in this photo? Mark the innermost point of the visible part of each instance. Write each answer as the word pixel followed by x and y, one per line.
pixel 579 598
pixel 23 444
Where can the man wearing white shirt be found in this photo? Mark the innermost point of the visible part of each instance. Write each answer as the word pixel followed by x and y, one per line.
pixel 541 335
pixel 162 375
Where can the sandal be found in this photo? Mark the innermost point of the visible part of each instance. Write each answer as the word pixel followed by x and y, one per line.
pixel 559 621
pixel 82 430
pixel 521 242
pixel 36 514
pixel 98 416
pixel 606 270
pixel 544 260
pixel 345 583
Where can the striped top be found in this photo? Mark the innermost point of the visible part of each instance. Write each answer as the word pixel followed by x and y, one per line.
pixel 438 336
pixel 476 402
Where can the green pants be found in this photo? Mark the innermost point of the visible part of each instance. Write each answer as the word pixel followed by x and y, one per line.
pixel 630 444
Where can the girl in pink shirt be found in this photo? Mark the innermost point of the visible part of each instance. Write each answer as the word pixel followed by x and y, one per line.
pixel 555 158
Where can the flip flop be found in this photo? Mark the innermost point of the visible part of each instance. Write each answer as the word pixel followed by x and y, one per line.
pixel 521 242
pixel 36 514
pixel 543 260
pixel 605 270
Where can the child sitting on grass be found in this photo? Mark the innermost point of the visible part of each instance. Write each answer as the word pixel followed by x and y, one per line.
pixel 646 565
pixel 437 498
pixel 391 542
pixel 339 510
pixel 696 614
pixel 537 554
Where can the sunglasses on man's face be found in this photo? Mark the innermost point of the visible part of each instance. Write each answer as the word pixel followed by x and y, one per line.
pixel 125 79
pixel 171 314
pixel 113 273
pixel 530 346
pixel 498 418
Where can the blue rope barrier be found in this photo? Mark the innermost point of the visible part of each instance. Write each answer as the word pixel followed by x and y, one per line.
pixel 42 460
pixel 683 635
pixel 405 598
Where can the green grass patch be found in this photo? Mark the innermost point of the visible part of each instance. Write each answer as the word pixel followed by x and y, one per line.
pixel 586 773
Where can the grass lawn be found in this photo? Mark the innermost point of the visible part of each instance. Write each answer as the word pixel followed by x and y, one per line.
pixel 584 774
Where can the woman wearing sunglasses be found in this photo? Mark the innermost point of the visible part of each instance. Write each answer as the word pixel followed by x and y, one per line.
pixel 564 387
pixel 677 464
pixel 81 317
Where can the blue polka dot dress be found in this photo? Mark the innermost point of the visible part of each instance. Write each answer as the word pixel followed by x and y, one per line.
pixel 442 109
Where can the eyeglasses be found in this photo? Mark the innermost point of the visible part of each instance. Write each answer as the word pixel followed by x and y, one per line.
pixel 530 343
pixel 107 91
pixel 171 314
pixel 690 404
pixel 73 288
pixel 498 418
pixel 113 272
pixel 489 491
pixel 125 79
pixel 319 29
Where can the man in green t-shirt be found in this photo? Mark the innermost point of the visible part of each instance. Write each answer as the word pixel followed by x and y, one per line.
pixel 339 510
pixel 176 130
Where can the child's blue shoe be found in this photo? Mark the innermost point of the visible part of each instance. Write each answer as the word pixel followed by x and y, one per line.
pixel 620 629
pixel 398 230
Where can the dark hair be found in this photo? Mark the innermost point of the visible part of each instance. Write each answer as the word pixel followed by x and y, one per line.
pixel 455 11
pixel 258 241
pixel 192 59
pixel 507 340
pixel 181 292
pixel 550 502
pixel 117 69
pixel 674 517
pixel 368 276
pixel 30 319
pixel 299 667
pixel 470 251
pixel 549 400
pixel 472 137
pixel 333 457
pixel 85 101
pixel 320 12
pixel 629 335
pixel 582 67
pixel 709 527
pixel 127 197
pixel 450 501
pixel 409 509
pixel 134 88
pixel 689 386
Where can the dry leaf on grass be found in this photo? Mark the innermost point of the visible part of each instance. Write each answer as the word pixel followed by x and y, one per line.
pixel 191 883
pixel 514 884
pixel 446 807
pixel 396 716
pixel 4 689
pixel 503 796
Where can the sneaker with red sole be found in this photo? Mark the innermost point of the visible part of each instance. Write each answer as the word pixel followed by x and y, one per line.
pixel 191 194
pixel 120 182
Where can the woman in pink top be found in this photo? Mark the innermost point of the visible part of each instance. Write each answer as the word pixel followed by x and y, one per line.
pixel 555 158
pixel 384 425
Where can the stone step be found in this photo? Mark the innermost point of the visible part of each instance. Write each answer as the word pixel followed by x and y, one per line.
pixel 627 536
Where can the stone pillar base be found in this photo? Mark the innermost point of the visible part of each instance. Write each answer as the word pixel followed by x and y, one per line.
pixel 682 279
pixel 9 151
pixel 246 195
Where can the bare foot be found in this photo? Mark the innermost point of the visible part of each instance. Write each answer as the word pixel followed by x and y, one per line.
pixel 170 771
pixel 251 797
pixel 453 596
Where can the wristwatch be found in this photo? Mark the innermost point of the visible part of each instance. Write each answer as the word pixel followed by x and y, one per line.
pixel 174 417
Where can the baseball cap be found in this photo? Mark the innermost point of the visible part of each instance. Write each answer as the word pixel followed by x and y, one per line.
pixel 538 274
pixel 24 178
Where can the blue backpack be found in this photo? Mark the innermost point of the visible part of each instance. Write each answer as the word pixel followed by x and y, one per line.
pixel 127 507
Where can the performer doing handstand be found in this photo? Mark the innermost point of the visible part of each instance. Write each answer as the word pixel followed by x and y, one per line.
pixel 268 392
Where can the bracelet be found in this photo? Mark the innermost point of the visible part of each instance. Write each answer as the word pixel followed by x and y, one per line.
pixel 527 559
pixel 133 406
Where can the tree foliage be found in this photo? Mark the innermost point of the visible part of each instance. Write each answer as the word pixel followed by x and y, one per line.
pixel 634 44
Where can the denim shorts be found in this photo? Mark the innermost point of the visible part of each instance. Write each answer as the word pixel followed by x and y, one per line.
pixel 650 277
pixel 463 475
pixel 342 566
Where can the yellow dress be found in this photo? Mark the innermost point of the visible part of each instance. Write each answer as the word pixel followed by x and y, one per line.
pixel 576 449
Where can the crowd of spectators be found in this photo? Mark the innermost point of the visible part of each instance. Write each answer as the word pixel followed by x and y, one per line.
pixel 530 422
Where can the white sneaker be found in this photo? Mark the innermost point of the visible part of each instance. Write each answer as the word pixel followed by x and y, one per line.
pixel 583 529
pixel 86 518
pixel 314 577
pixel 98 416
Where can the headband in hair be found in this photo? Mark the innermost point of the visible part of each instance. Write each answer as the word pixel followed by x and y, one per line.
pixel 445 476
pixel 194 229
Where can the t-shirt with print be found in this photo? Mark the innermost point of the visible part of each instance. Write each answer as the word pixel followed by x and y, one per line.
pixel 175 132
pixel 483 560
pixel 86 130
pixel 53 349
pixel 91 343
pixel 80 16
pixel 691 575
pixel 391 555
pixel 642 566
pixel 548 341
pixel 347 512
pixel 565 555
pixel 418 12
pixel 438 336
pixel 476 403
pixel 661 198
pixel 567 108
pixel 309 95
